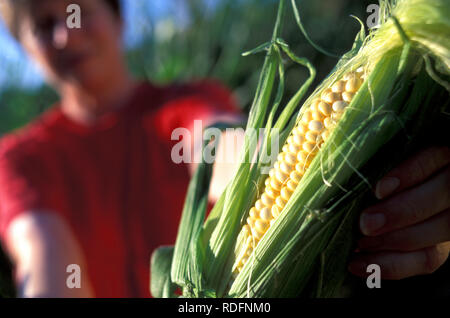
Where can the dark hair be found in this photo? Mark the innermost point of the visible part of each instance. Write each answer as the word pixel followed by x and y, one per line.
pixel 9 11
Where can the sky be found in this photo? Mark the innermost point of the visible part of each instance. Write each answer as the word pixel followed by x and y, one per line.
pixel 16 67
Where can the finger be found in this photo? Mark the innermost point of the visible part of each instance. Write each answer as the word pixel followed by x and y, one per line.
pixel 399 265
pixel 413 171
pixel 428 233
pixel 409 207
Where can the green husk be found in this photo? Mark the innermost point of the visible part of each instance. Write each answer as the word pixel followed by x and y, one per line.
pixel 161 285
pixel 304 253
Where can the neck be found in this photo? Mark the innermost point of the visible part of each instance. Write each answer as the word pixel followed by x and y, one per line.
pixel 87 105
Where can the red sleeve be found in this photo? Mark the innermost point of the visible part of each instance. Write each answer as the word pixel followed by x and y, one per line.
pixel 197 101
pixel 19 183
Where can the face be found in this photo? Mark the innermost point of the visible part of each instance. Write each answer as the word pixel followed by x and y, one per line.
pixel 87 56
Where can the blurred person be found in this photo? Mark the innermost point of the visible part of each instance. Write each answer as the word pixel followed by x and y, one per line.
pixel 92 182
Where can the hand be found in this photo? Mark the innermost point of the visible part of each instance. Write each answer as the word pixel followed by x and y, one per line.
pixel 408 232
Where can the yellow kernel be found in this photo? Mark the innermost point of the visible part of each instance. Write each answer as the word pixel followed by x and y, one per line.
pixel 304 157
pixel 298 139
pixel 315 104
pixel 280 202
pixel 275 184
pixel 271 173
pixel 267 182
pixel 339 106
pixel 285 148
pixel 293 148
pixel 271 192
pixel 353 85
pixel 336 116
pixel 312 136
pixel 316 115
pixel 347 96
pixel 326 92
pixel 251 222
pixel 329 123
pixel 338 87
pixel 244 260
pixel 300 168
pixel 261 226
pixel 308 163
pixel 325 134
pixel 266 200
pixel 307 117
pixel 281 176
pixel 289 140
pixel 309 146
pixel 253 213
pixel 276 166
pixel 249 251
pixel 275 211
pixel 302 128
pixel 285 194
pixel 349 76
pixel 259 205
pixel 285 167
pixel 315 125
pixel 291 185
pixel 266 214
pixel 290 158
pixel 331 98
pixel 280 156
pixel 295 176
pixel 246 228
pixel 256 234
pixel 325 108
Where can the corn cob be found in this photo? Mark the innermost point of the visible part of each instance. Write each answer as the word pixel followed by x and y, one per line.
pixel 306 139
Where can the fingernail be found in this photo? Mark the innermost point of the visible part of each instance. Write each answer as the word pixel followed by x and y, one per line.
pixel 371 222
pixel 386 186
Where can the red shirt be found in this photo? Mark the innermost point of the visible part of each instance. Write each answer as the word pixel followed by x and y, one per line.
pixel 114 183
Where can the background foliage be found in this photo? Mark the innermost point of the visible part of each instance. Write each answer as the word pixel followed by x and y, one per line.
pixel 209 44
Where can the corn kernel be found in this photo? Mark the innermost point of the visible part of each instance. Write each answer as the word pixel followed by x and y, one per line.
pixel 338 87
pixel 315 125
pixel 353 85
pixel 266 200
pixel 261 226
pixel 266 214
pixel 331 98
pixel 325 109
pixel 339 106
pixel 290 158
pixel 295 176
pixel 347 96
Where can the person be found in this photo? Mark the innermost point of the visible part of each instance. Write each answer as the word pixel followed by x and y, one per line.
pixel 92 182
